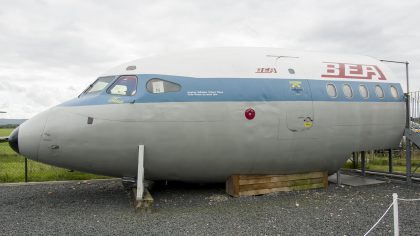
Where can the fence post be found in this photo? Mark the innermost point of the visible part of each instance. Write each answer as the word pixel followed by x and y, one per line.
pixel 390 160
pixel 395 202
pixel 363 161
pixel 26 169
pixel 339 177
pixel 354 161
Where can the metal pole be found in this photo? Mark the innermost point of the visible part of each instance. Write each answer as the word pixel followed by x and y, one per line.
pixel 26 169
pixel 354 161
pixel 339 177
pixel 407 111
pixel 396 227
pixel 408 160
pixel 363 163
pixel 390 160
pixel 406 75
pixel 140 174
pixel 406 70
pixel 407 140
pixel 357 159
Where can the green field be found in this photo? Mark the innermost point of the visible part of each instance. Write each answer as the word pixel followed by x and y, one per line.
pixel 379 162
pixel 12 167
pixel 5 132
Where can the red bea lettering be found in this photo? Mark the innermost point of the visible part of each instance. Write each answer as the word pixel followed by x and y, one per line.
pixel 352 71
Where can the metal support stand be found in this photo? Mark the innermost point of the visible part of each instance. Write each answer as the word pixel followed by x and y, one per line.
pixel 363 163
pixel 407 140
pixel 390 160
pixel 354 160
pixel 143 200
pixel 26 169
pixel 140 174
pixel 339 177
pixel 408 160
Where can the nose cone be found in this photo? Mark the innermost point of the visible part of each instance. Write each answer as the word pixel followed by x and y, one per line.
pixel 14 140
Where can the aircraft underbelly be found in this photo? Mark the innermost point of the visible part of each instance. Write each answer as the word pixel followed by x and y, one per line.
pixel 210 141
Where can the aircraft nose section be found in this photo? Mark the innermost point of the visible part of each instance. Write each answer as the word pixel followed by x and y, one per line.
pixel 26 139
pixel 14 140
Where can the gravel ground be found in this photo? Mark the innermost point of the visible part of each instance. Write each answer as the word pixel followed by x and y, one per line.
pixel 103 207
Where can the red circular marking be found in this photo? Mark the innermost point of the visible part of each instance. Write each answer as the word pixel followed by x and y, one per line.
pixel 250 113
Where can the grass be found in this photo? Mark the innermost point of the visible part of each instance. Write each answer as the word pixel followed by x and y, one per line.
pixel 379 162
pixel 5 132
pixel 12 168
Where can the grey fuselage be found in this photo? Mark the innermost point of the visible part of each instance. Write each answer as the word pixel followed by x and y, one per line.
pixel 202 132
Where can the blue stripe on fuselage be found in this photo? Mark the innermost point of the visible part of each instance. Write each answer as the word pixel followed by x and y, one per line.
pixel 242 89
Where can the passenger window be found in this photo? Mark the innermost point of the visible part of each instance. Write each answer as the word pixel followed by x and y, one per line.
pixel 363 91
pixel 394 92
pixel 331 90
pixel 156 85
pixel 125 85
pixel 348 92
pixel 379 91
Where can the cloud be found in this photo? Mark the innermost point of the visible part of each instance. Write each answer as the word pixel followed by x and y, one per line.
pixel 51 50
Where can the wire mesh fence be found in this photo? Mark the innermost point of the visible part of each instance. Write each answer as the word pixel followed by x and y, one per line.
pixel 414 98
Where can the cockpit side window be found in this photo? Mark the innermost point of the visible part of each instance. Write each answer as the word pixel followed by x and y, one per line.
pixel 126 85
pixel 156 85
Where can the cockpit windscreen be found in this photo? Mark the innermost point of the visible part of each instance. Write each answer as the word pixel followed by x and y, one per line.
pixel 100 84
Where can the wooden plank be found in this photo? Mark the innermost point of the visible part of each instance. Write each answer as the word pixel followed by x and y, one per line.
pixel 246 185
pixel 315 174
pixel 281 189
pixel 253 179
pixel 269 185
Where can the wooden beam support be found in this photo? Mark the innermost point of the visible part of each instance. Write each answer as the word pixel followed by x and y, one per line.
pixel 248 185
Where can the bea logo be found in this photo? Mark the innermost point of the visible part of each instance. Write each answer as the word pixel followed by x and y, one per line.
pixel 352 71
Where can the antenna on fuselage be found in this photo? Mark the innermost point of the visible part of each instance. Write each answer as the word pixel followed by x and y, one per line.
pixel 278 57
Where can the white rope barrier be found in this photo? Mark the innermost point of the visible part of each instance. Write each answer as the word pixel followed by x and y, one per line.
pixel 395 204
pixel 409 200
pixel 377 222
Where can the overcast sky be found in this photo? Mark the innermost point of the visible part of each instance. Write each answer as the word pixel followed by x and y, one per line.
pixel 51 50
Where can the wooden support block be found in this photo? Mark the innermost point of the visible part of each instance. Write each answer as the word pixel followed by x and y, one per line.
pixel 145 203
pixel 325 179
pixel 248 185
pixel 232 185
